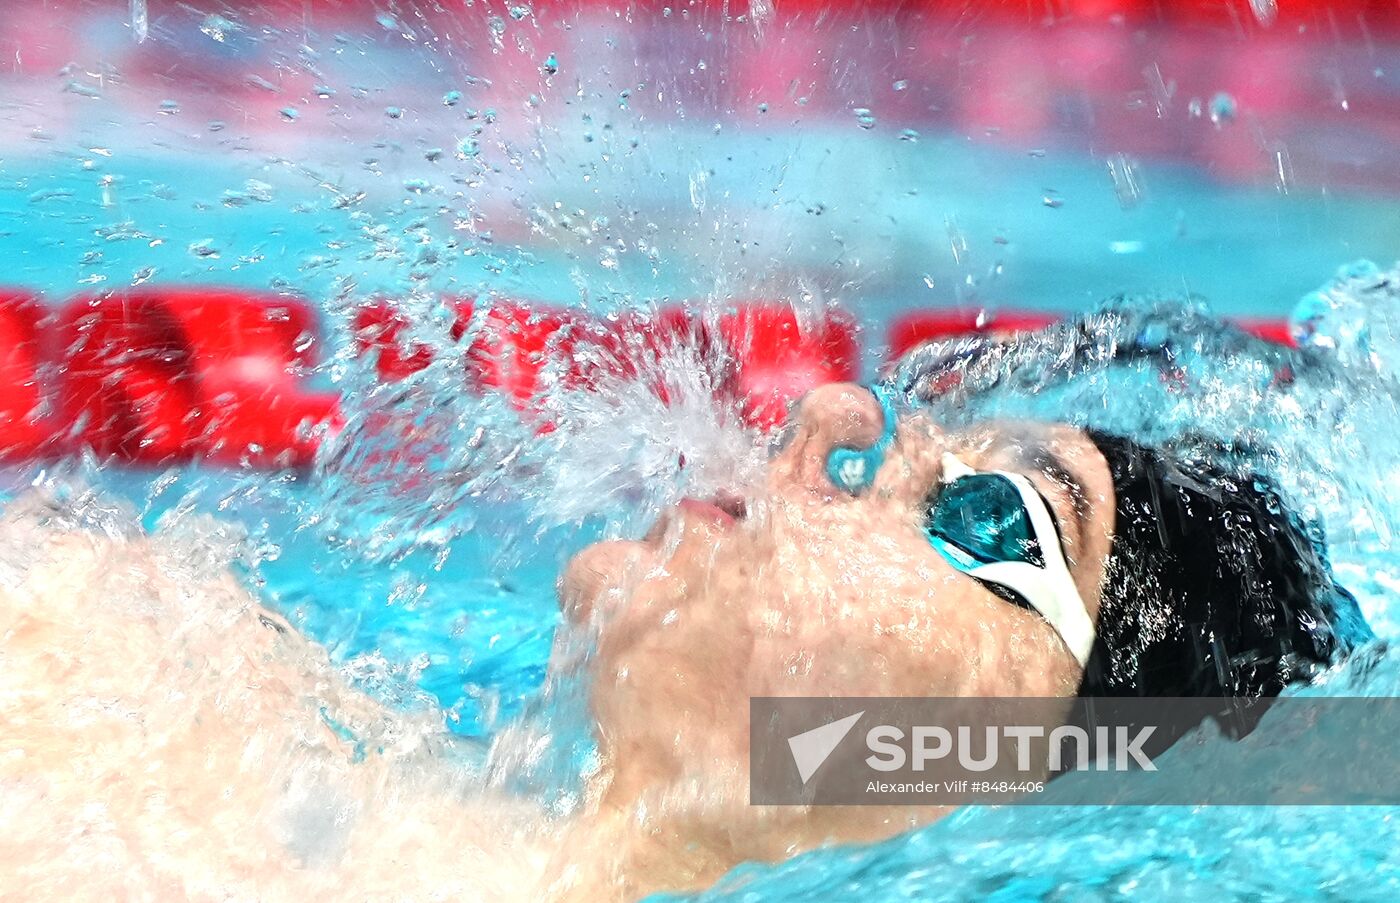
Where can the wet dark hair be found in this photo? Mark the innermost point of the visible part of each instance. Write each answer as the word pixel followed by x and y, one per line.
pixel 1213 587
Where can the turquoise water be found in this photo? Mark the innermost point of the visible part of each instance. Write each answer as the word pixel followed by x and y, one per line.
pixel 876 245
pixel 481 624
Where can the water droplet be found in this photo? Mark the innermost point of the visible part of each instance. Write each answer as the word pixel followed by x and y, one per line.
pixel 519 12
pixel 1052 200
pixel 901 85
pixel 1162 90
pixel 324 92
pixel 909 135
pixel 864 118
pixel 1195 108
pixel 49 194
pixel 699 183
pixel 1126 184
pixel 417 186
pixel 204 248
pixel 763 108
pixel 957 241
pixel 289 113
pixel 140 21
pixel 393 112
pixel 82 90
pixel 451 98
pixel 1265 11
pixel 1223 109
pixel 928 280
pixel 1283 169
pixel 761 12
pixel 468 147
pixel 253 190
pixel 168 108
pixel 433 154
pixel 551 65
pixel 217 27
pixel 258 190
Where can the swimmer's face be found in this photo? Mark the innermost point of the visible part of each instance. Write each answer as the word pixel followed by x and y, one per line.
pixel 809 591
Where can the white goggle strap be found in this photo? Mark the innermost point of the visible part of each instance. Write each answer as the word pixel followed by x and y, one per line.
pixel 1050 590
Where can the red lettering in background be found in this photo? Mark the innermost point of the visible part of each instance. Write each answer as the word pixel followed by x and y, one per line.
pixel 170 375
pixel 167 375
pixel 23 432
pixel 782 355
pixel 773 355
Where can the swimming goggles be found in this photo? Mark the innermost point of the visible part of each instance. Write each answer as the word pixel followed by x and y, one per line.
pixel 991 525
pixel 994 526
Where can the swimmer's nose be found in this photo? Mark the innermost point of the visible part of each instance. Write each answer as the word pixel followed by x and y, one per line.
pixel 833 440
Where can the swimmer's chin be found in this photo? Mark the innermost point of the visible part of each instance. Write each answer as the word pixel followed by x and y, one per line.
pixel 598 571
pixel 687 531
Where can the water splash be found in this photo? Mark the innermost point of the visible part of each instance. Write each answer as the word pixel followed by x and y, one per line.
pixel 418 461
pixel 1199 385
pixel 1355 318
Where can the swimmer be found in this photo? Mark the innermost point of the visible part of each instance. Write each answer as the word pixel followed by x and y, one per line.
pixel 883 555
pixel 1009 559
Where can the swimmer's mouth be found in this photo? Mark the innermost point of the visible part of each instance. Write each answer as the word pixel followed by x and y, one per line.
pixel 723 510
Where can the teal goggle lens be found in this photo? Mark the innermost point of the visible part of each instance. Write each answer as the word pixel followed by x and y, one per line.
pixel 981 519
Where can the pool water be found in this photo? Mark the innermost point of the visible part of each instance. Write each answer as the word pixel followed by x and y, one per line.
pixel 617 163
